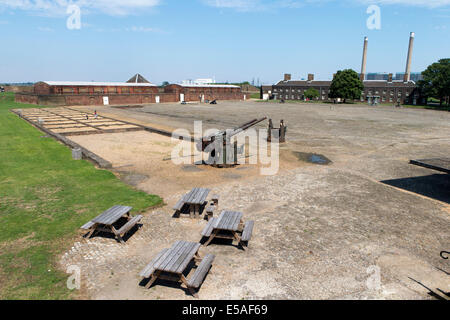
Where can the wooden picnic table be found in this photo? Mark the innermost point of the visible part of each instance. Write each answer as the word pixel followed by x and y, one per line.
pixel 193 201
pixel 170 264
pixel 229 225
pixel 105 222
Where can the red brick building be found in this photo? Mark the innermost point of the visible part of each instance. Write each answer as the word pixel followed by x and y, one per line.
pixel 123 93
pixel 205 92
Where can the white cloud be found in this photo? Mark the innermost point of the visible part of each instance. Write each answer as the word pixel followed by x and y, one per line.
pixel 254 5
pixel 58 7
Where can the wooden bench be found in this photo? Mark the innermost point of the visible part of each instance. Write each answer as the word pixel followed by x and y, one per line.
pixel 179 205
pixel 247 232
pixel 88 225
pixel 209 227
pixel 150 268
pixel 194 200
pixel 126 227
pixel 199 275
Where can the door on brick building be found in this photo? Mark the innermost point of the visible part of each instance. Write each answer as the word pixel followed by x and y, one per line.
pixel 157 99
pixel 181 97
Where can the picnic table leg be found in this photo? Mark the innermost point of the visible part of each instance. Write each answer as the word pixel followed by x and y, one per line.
pixel 211 237
pixel 197 211
pixel 191 290
pixel 153 278
pixel 191 208
pixel 238 238
pixel 197 257
pixel 241 225
pixel 118 236
pixel 91 233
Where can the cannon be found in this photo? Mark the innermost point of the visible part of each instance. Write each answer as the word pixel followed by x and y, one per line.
pixel 217 153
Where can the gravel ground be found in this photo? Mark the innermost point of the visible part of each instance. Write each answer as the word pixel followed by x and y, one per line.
pixel 321 231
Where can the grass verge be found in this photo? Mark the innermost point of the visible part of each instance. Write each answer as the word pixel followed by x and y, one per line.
pixel 45 197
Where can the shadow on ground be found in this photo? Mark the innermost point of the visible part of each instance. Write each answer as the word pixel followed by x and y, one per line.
pixel 436 186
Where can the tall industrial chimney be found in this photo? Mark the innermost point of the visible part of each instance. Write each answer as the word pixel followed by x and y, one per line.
pixel 408 61
pixel 364 60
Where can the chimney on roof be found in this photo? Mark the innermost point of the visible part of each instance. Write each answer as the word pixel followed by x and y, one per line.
pixel 310 77
pixel 409 59
pixel 287 77
pixel 364 60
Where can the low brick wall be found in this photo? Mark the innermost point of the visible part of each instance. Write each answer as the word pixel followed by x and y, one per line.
pixel 94 100
pixel 27 98
pixel 216 96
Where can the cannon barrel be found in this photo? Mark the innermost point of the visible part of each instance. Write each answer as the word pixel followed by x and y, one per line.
pixel 247 126
pixel 205 141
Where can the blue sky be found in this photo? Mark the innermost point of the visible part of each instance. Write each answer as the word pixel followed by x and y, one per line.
pixel 231 40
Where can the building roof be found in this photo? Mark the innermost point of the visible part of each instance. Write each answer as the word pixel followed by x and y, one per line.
pixel 138 78
pixel 97 84
pixel 208 86
pixel 303 83
pixel 367 83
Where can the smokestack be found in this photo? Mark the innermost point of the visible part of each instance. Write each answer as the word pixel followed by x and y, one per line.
pixel 364 60
pixel 408 61
pixel 287 77
pixel 390 76
pixel 310 77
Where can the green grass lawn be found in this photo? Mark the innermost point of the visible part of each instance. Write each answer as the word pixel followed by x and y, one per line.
pixel 45 197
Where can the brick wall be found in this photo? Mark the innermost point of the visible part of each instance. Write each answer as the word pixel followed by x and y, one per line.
pixel 210 93
pixel 44 95
pixel 86 100
pixel 27 98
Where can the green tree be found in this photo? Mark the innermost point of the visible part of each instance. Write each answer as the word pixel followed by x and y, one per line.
pixel 311 93
pixel 346 85
pixel 436 81
pixel 165 83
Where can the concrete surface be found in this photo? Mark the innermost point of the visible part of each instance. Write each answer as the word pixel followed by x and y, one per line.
pixel 321 231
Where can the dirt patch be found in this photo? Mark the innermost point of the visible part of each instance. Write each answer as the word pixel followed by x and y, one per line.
pixel 149 155
pixel 131 178
pixel 19 244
